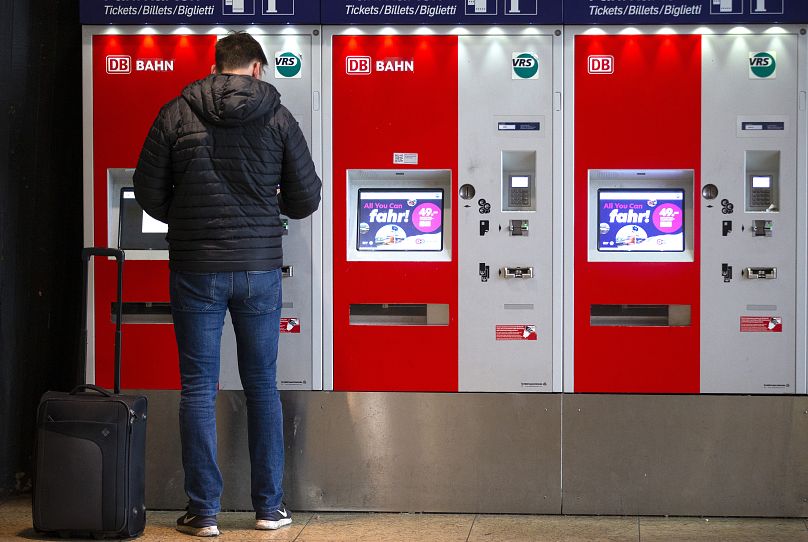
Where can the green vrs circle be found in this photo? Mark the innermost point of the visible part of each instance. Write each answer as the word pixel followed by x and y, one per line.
pixel 288 64
pixel 529 70
pixel 763 65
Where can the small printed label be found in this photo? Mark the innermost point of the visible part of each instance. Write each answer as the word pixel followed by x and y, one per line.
pixel 409 158
pixel 290 325
pixel 761 324
pixel 763 126
pixel 516 332
pixel 518 126
pixel 293 382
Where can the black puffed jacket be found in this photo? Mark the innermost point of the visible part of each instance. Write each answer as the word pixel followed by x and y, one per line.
pixel 211 168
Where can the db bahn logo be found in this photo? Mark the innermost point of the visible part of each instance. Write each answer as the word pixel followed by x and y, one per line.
pixel 122 64
pixel 119 64
pixel 600 64
pixel 763 65
pixel 357 65
pixel 288 65
pixel 525 66
pixel 363 65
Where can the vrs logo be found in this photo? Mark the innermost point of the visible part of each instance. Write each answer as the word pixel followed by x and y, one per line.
pixel 763 65
pixel 357 65
pixel 288 65
pixel 525 66
pixel 119 64
pixel 599 64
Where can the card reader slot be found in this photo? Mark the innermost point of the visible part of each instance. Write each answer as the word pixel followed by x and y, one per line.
pixel 639 315
pixel 399 314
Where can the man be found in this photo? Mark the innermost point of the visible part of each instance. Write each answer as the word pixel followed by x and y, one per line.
pixel 219 165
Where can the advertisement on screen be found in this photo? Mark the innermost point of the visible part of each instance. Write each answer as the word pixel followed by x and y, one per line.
pixel 641 220
pixel 400 220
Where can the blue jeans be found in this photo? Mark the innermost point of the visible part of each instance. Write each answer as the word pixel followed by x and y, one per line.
pixel 198 305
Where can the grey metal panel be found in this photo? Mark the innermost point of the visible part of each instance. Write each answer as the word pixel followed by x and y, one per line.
pixel 382 451
pixel 165 477
pixel 686 455
pixel 734 361
pixel 645 455
pixel 485 363
pixel 426 452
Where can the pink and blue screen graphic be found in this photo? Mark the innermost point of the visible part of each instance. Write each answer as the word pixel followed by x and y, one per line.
pixel 641 220
pixel 400 220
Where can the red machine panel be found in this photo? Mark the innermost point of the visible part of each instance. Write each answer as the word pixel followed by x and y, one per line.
pixel 410 106
pixel 641 110
pixel 133 76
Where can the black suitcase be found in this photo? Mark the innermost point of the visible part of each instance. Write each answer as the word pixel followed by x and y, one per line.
pixel 89 472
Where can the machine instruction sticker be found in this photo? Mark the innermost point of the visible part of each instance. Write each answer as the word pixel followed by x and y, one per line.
pixel 409 158
pixel 761 324
pixel 516 332
pixel 290 325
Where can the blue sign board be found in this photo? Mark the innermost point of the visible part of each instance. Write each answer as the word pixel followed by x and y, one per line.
pixel 455 12
pixel 442 12
pixel 188 12
pixel 671 12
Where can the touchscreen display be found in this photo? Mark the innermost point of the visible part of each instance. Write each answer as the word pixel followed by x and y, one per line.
pixel 137 230
pixel 641 220
pixel 400 220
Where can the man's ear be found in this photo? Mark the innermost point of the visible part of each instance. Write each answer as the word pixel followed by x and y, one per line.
pixel 257 68
pixel 213 69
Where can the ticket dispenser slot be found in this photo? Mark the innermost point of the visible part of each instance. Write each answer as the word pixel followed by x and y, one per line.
pixel 762 180
pixel 518 181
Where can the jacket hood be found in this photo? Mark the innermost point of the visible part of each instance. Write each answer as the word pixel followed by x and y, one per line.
pixel 231 99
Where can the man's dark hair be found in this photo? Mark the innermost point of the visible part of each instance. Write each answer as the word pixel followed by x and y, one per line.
pixel 238 50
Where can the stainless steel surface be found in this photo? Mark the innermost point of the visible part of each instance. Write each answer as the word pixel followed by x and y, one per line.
pixel 382 451
pixel 423 452
pixel 501 453
pixel 686 455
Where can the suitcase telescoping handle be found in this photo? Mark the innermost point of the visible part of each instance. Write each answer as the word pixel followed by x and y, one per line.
pixel 86 254
pixel 82 387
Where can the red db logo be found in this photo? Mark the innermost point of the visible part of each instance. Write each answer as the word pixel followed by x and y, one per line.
pixel 119 64
pixel 601 64
pixel 357 65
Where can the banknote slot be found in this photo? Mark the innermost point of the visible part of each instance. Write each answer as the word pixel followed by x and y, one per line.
pixel 142 313
pixel 399 314
pixel 639 315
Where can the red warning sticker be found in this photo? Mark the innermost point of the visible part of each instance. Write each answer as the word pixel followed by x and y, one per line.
pixel 764 324
pixel 290 325
pixel 516 332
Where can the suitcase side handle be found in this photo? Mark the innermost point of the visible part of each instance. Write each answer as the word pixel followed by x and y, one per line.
pixel 90 387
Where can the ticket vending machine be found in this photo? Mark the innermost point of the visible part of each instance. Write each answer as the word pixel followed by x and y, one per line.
pixel 129 73
pixel 442 157
pixel 685 269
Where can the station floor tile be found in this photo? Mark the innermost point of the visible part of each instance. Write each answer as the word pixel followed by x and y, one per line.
pixel 15 524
